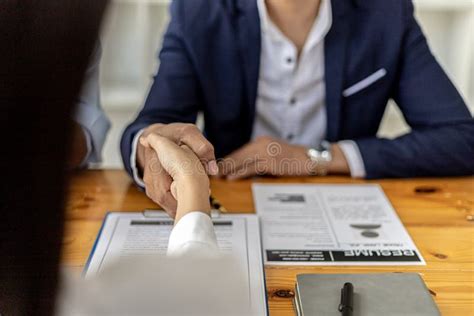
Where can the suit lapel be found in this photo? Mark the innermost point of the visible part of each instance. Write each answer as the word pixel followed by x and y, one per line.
pixel 249 43
pixel 335 52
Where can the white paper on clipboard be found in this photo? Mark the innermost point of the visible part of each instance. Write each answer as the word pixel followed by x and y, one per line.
pixel 126 235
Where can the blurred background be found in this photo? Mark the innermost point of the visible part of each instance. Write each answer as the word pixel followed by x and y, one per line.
pixel 132 33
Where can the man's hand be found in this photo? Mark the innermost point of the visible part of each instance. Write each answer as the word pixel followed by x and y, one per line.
pixel 157 179
pixel 270 156
pixel 189 181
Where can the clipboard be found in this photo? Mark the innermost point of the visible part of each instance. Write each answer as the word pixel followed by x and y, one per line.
pixel 149 213
pixel 251 235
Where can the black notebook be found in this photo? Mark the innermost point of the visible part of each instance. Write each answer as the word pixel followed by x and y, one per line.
pixel 388 294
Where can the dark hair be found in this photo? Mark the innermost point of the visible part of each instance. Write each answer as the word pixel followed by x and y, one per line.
pixel 45 49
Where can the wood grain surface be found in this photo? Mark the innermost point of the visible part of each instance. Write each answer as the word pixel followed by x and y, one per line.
pixel 438 214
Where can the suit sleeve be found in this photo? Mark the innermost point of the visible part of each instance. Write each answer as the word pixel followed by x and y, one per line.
pixel 175 93
pixel 441 142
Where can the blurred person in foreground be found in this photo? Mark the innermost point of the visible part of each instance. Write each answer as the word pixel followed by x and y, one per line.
pixel 46 52
pixel 298 88
pixel 195 279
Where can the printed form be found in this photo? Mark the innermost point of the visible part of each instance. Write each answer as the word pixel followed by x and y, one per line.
pixel 134 234
pixel 331 225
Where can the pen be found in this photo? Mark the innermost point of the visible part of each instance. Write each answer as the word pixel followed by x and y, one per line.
pixel 215 204
pixel 347 299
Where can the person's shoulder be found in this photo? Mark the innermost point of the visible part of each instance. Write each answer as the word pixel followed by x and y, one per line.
pixel 389 7
pixel 190 11
pixel 392 11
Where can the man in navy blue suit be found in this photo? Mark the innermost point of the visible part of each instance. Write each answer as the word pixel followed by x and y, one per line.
pixel 299 87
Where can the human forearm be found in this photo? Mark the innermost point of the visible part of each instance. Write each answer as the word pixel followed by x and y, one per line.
pixel 192 195
pixel 441 151
pixel 338 164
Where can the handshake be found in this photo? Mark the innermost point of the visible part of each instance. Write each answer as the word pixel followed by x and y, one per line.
pixel 176 161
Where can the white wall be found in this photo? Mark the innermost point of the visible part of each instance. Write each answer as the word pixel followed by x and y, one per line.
pixel 449 26
pixel 132 36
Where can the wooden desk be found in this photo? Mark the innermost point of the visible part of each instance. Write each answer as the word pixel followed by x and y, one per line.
pixel 441 224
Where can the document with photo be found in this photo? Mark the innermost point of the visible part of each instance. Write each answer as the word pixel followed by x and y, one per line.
pixel 331 225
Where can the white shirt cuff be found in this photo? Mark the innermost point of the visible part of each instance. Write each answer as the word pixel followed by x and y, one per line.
pixel 354 158
pixel 193 235
pixel 133 160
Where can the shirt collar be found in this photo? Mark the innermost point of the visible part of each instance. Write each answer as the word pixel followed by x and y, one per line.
pixel 320 28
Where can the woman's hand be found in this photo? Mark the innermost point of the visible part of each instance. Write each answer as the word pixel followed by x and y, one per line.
pixel 158 185
pixel 190 182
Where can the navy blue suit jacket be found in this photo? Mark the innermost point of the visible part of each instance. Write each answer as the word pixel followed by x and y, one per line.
pixel 210 63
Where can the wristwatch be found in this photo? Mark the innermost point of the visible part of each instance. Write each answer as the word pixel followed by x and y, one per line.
pixel 320 158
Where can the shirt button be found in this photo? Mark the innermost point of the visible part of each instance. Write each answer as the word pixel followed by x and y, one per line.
pixel 293 101
pixel 289 60
pixel 290 137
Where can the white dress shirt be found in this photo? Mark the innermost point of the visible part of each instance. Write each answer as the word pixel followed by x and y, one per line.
pixel 291 97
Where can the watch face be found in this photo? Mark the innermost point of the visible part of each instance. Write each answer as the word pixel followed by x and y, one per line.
pixel 313 153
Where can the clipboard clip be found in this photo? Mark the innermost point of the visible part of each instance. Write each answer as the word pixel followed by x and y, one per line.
pixel 215 213
pixel 216 209
pixel 153 213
